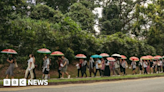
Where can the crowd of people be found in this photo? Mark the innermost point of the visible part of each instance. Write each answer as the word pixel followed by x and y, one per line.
pixel 103 66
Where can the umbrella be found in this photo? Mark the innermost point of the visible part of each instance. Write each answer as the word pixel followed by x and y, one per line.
pixel 110 59
pixel 157 57
pixel 123 57
pixel 96 56
pixel 9 51
pixel 134 58
pixel 57 53
pixel 80 56
pixel 116 55
pixel 44 51
pixel 145 58
pixel 150 57
pixel 104 55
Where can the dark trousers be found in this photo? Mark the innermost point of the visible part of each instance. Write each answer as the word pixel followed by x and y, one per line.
pixel 124 70
pixel 163 68
pixel 33 72
pixel 91 71
pixel 59 72
pixel 78 72
pixel 83 72
pixel 99 71
pixel 145 71
pixel 159 68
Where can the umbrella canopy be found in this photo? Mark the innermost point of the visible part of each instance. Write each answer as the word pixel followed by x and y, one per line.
pixel 9 51
pixel 44 51
pixel 134 58
pixel 116 55
pixel 150 57
pixel 110 59
pixel 145 58
pixel 104 55
pixel 80 56
pixel 57 53
pixel 123 57
pixel 96 56
pixel 157 57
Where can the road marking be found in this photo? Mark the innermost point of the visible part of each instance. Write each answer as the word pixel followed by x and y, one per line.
pixel 71 85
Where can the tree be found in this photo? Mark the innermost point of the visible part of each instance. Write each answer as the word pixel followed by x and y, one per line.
pixel 83 16
pixel 118 16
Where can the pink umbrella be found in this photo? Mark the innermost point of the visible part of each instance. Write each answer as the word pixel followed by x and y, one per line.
pixel 134 58
pixel 104 55
pixel 57 53
pixel 157 57
pixel 9 51
pixel 80 56
pixel 150 57
pixel 110 59
pixel 123 57
pixel 44 51
pixel 145 58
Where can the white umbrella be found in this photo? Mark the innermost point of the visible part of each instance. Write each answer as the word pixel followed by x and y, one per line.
pixel 116 55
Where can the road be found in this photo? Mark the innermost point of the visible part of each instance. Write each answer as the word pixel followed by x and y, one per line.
pixel 139 85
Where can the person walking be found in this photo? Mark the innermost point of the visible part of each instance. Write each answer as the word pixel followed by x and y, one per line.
pixel 148 66
pixel 154 66
pixel 140 66
pixel 112 68
pixel 83 67
pixel 10 70
pixel 30 67
pixel 64 66
pixel 158 66
pixel 78 65
pixel 33 68
pixel 46 67
pixel 145 66
pixel 59 62
pixel 98 66
pixel 117 66
pixel 124 66
pixel 163 65
pixel 102 66
pixel 133 65
pixel 107 68
pixel 151 66
pixel 91 67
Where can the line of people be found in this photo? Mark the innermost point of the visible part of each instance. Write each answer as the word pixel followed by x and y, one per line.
pixel 95 65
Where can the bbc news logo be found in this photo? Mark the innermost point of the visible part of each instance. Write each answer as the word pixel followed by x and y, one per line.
pixel 23 82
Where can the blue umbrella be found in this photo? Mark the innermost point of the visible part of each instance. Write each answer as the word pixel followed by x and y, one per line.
pixel 96 56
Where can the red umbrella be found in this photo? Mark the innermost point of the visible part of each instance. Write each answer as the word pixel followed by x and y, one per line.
pixel 134 58
pixel 157 57
pixel 150 57
pixel 9 51
pixel 123 57
pixel 104 55
pixel 44 51
pixel 80 56
pixel 110 59
pixel 57 53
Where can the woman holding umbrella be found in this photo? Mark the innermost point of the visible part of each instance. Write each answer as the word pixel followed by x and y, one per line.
pixel 12 61
pixel 105 64
pixel 123 64
pixel 133 64
pixel 10 70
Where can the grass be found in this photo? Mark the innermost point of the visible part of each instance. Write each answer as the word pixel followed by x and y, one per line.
pixel 104 78
pixel 101 78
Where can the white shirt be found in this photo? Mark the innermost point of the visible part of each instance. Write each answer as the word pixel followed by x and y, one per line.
pixel 77 65
pixel 48 62
pixel 98 62
pixel 144 64
pixel 30 60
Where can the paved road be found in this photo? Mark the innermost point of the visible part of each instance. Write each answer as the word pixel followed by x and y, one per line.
pixel 139 85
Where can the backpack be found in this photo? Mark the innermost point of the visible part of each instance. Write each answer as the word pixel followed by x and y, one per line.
pixel 67 61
